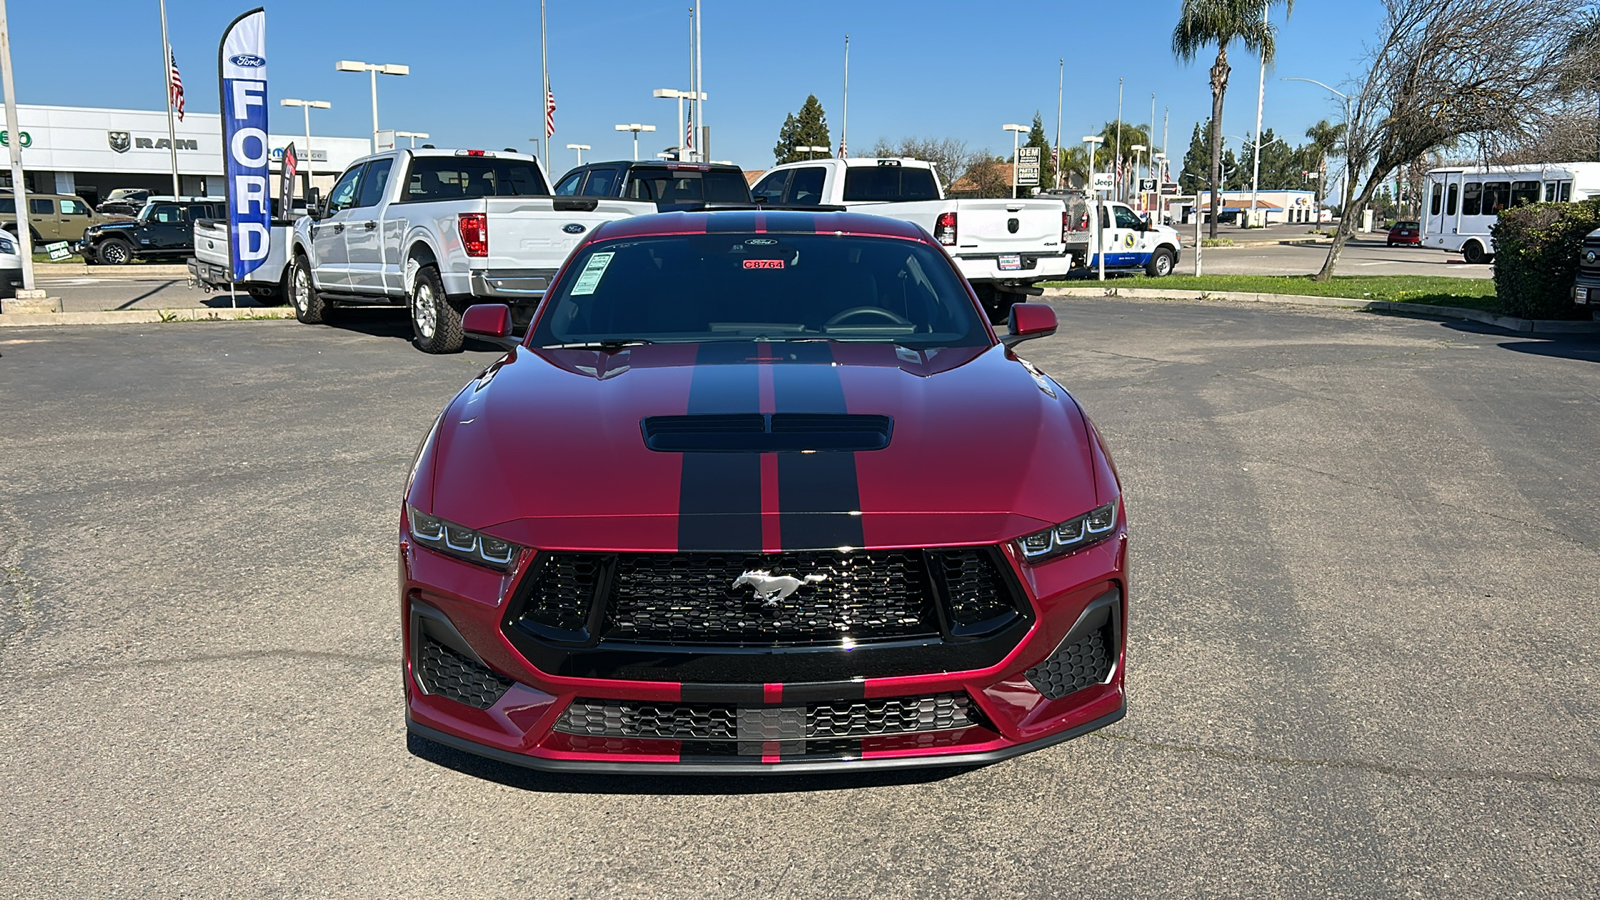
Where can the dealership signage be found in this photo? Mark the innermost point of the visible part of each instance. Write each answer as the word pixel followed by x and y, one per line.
pixel 1027 166
pixel 5 139
pixel 243 64
pixel 122 142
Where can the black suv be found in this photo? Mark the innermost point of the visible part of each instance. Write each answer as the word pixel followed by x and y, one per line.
pixel 164 229
pixel 671 186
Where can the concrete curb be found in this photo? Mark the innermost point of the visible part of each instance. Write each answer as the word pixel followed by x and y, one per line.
pixel 1507 323
pixel 84 270
pixel 145 316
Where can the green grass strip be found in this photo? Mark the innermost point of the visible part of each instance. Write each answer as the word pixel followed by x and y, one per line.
pixel 1430 290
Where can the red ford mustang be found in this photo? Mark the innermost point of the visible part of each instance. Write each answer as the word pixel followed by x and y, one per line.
pixel 761 492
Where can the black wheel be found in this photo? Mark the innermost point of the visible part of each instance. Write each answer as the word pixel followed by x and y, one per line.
pixel 308 304
pixel 435 322
pixel 1472 252
pixel 114 252
pixel 1160 265
pixel 996 303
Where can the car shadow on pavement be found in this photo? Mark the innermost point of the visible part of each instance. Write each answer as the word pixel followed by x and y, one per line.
pixel 1584 347
pixel 665 783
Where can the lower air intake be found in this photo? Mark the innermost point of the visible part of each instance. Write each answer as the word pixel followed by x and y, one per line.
pixel 1076 665
pixel 726 722
pixel 463 679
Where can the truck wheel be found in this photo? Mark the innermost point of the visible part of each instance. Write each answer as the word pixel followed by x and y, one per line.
pixel 114 252
pixel 1160 265
pixel 1472 252
pixel 435 322
pixel 996 303
pixel 308 304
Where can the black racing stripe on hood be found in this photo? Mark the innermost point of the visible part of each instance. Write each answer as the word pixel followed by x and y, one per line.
pixel 817 492
pixel 719 494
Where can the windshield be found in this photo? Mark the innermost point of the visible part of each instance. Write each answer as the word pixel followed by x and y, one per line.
pixel 731 286
pixel 665 185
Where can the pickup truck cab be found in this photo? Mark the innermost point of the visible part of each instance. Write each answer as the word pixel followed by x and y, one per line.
pixel 437 230
pixel 164 229
pixel 1003 247
pixel 671 186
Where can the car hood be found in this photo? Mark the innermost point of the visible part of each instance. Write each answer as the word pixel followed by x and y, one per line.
pixel 547 448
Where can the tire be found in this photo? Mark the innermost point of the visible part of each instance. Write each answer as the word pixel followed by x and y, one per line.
pixel 1472 252
pixel 996 303
pixel 114 252
pixel 435 322
pixel 1161 263
pixel 309 306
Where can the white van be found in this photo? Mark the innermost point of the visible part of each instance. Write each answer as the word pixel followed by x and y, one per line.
pixel 1462 202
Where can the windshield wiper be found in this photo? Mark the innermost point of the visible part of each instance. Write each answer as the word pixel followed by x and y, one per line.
pixel 606 346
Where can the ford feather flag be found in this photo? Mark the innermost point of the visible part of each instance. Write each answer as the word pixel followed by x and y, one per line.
pixel 242 66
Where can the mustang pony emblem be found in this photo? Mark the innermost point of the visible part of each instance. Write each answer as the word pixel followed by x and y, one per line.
pixel 770 589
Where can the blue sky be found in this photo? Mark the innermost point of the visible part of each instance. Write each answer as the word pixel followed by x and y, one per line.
pixel 932 69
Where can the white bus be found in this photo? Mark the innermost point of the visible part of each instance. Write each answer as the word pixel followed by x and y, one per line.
pixel 1462 202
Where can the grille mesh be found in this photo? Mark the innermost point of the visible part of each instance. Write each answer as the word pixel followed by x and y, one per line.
pixel 977 593
pixel 563 592
pixel 872 595
pixel 1075 666
pixel 463 679
pixel 841 719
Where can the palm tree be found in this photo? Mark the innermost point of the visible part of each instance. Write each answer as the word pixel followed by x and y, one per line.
pixel 1221 22
pixel 1324 140
pixel 1074 161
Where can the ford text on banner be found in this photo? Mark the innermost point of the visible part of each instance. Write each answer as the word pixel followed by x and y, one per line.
pixel 242 65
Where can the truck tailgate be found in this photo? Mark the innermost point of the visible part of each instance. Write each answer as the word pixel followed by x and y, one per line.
pixel 539 232
pixel 984 227
pixel 211 242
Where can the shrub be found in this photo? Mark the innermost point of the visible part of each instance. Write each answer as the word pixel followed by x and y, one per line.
pixel 1536 257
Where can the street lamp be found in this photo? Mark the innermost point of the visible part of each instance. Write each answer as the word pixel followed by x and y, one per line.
pixel 812 150
pixel 413 135
pixel 306 106
pixel 1138 154
pixel 1016 135
pixel 350 65
pixel 1094 140
pixel 1344 199
pixel 1158 163
pixel 580 148
pixel 680 96
pixel 636 128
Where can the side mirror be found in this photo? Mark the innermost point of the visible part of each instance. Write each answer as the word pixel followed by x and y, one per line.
pixel 490 321
pixel 1029 321
pixel 314 203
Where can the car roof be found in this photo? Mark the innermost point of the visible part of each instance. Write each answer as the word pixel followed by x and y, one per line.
pixel 662 164
pixel 759 221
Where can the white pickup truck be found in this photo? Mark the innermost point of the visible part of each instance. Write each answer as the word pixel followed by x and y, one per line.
pixel 1004 247
pixel 1130 242
pixel 212 265
pixel 438 230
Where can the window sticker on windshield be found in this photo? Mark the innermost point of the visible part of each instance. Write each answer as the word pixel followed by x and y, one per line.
pixel 589 279
pixel 763 264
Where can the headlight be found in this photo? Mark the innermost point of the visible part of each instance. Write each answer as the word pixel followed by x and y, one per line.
pixel 6 246
pixel 461 542
pixel 1073 534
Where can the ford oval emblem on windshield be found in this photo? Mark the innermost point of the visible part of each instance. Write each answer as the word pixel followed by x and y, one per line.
pixel 247 60
pixel 574 228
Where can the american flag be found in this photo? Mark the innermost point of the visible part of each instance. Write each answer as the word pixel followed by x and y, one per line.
pixel 174 83
pixel 843 153
pixel 688 131
pixel 549 113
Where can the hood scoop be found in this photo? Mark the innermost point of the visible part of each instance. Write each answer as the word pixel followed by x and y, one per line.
pixel 757 433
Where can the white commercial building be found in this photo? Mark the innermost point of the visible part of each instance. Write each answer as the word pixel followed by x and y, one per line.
pixel 90 152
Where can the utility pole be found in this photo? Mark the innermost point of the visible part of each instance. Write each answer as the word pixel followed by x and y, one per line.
pixel 14 136
pixel 1261 100
pixel 1061 74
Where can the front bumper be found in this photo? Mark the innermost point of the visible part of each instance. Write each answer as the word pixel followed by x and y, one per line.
pixel 1059 676
pixel 1586 293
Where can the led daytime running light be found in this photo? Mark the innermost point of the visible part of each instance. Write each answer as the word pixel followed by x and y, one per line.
pixel 460 542
pixel 1071 535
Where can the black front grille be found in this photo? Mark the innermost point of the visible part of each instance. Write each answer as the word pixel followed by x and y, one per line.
pixel 1584 265
pixel 767 599
pixel 461 678
pixel 711 722
pixel 1076 665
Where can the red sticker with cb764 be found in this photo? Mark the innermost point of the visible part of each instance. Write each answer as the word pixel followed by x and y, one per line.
pixel 763 264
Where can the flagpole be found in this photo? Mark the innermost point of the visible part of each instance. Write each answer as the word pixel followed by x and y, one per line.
pixel 166 80
pixel 844 119
pixel 1120 185
pixel 1061 75
pixel 687 135
pixel 699 106
pixel 19 181
pixel 544 95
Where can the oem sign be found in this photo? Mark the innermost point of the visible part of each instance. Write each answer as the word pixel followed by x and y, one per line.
pixel 243 64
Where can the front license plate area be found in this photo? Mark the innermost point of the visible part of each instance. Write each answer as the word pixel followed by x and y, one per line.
pixel 772 730
pixel 1581 296
pixel 1011 262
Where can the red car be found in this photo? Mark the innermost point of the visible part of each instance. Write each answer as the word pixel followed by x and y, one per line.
pixel 761 492
pixel 1405 233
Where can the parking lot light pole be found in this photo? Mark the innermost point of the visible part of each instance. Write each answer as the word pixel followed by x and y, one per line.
pixel 350 65
pixel 680 96
pixel 413 135
pixel 812 151
pixel 1016 135
pixel 1158 161
pixel 1138 154
pixel 1344 194
pixel 580 148
pixel 1094 140
pixel 14 133
pixel 635 127
pixel 306 106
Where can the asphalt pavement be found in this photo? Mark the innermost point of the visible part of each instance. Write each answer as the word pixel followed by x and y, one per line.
pixel 1362 661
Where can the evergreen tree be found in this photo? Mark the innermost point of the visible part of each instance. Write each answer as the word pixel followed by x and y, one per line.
pixel 1196 174
pixel 808 129
pixel 1047 162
